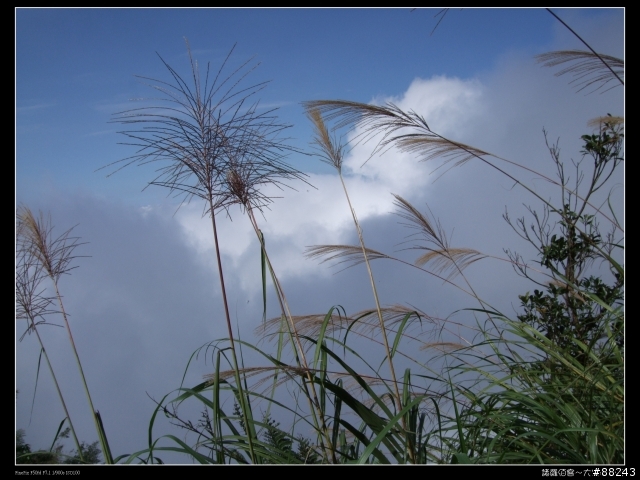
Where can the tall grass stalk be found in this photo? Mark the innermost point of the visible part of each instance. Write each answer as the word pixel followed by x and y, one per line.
pixel 333 155
pixel 240 178
pixel 32 306
pixel 54 256
pixel 192 137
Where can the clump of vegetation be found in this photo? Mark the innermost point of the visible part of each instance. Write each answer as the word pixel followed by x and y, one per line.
pixel 86 454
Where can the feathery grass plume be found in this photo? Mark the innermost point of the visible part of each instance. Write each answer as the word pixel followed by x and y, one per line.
pixel 259 162
pixel 32 306
pixel 306 325
pixel 390 120
pixel 433 235
pixel 403 321
pixel 197 133
pixel 394 317
pixel 311 325
pixel 443 257
pixel 602 123
pixel 443 346
pixel 587 68
pixel 332 154
pixel 455 259
pixel 350 254
pixel 55 255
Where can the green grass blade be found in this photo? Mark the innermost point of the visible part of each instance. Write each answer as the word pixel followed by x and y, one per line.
pixel 398 337
pixel 381 436
pixel 55 439
pixel 365 441
pixel 263 266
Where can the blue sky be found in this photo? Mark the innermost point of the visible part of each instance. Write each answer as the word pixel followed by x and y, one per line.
pixel 76 67
pixel 141 303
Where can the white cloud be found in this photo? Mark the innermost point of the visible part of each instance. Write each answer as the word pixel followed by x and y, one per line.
pixel 321 216
pixel 448 103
